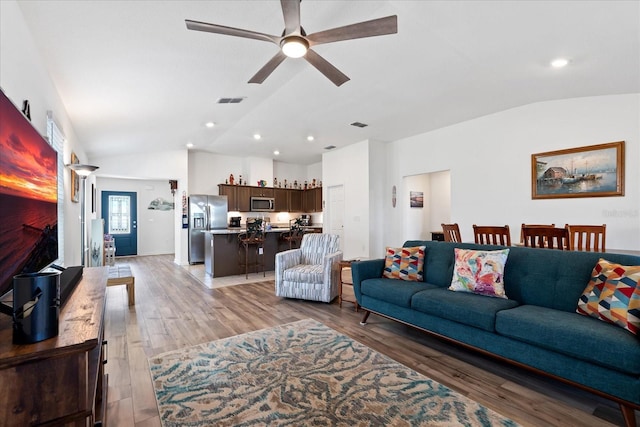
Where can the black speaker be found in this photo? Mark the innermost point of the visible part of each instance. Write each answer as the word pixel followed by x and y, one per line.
pixel 36 307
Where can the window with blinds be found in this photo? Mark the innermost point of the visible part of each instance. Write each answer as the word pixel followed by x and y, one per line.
pixel 56 139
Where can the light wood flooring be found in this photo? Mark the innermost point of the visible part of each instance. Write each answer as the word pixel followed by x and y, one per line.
pixel 174 309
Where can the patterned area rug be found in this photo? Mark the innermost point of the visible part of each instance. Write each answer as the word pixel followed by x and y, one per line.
pixel 301 374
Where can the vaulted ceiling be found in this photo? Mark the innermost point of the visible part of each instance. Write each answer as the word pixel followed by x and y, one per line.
pixel 134 79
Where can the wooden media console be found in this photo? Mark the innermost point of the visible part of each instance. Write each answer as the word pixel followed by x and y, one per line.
pixel 59 381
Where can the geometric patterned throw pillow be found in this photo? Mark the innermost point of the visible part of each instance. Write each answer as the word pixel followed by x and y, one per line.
pixel 404 263
pixel 613 295
pixel 479 272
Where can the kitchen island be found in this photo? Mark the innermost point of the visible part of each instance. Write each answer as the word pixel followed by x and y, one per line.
pixel 222 251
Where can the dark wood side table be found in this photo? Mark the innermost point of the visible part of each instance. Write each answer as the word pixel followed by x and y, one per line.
pixel 437 236
pixel 346 283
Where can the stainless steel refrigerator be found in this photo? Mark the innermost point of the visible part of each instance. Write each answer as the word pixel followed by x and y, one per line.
pixel 206 212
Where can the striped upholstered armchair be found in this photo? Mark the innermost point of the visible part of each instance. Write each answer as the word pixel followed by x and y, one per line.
pixel 310 272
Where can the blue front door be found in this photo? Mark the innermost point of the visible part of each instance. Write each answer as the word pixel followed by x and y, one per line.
pixel 119 210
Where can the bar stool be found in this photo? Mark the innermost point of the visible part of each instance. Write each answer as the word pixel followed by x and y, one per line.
pixel 293 237
pixel 250 242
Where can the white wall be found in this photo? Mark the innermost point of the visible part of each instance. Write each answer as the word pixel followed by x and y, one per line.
pixel 439 200
pixel 207 170
pixel 379 197
pixel 489 159
pixel 24 75
pixel 156 230
pixel 314 171
pixel 338 169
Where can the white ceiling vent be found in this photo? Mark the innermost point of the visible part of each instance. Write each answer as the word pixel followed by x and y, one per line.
pixel 359 125
pixel 230 100
pixel 329 147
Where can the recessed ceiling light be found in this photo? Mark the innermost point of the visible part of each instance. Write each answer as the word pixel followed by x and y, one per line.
pixel 210 124
pixel 559 62
pixel 257 136
pixel 310 138
pixel 276 153
pixel 189 144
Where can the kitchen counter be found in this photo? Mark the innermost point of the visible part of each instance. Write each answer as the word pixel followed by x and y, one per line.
pixel 273 230
pixel 222 250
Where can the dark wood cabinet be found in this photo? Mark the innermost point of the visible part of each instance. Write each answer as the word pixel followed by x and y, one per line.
pixel 244 199
pixel 313 200
pixel 61 380
pixel 238 196
pixel 318 197
pixel 232 195
pixel 262 192
pixel 282 196
pixel 286 199
pixel 296 201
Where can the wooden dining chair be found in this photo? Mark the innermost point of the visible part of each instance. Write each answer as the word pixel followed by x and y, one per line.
pixel 545 237
pixel 532 225
pixel 492 235
pixel 451 232
pixel 590 238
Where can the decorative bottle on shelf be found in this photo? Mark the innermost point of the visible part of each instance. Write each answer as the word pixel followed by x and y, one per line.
pixel 240 183
pixel 231 180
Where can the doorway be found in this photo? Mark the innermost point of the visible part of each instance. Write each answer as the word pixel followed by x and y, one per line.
pixel 119 210
pixel 420 222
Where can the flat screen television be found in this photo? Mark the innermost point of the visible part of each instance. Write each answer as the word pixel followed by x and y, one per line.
pixel 28 197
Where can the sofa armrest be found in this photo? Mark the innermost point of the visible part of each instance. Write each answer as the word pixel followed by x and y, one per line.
pixel 330 266
pixel 285 260
pixel 331 273
pixel 363 270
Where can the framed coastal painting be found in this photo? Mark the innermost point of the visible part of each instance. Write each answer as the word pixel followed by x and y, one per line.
pixel 591 171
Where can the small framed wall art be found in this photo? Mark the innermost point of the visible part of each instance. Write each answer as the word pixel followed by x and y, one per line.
pixel 416 199
pixel 75 180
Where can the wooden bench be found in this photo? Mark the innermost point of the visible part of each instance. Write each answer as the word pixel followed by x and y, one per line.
pixel 121 275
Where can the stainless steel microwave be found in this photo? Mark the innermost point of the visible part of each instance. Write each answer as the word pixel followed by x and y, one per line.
pixel 262 204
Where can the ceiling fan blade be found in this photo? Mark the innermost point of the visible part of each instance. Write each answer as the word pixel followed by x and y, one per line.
pixel 291 12
pixel 331 72
pixel 375 27
pixel 230 31
pixel 268 68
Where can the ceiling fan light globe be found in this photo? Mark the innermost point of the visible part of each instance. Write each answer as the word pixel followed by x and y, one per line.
pixel 294 46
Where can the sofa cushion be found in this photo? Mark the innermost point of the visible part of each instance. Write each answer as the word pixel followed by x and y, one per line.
pixel 304 273
pixel 392 290
pixel 462 307
pixel 613 295
pixel 573 335
pixel 404 264
pixel 479 272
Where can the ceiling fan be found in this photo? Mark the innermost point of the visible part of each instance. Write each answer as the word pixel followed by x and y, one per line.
pixel 295 43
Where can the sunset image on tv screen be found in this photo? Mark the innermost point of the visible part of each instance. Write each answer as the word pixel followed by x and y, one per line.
pixel 27 168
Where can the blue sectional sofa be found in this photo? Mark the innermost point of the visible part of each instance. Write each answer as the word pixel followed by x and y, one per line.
pixel 537 327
